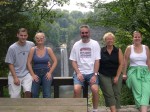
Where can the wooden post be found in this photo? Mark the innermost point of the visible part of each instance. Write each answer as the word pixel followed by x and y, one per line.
pixel 3 82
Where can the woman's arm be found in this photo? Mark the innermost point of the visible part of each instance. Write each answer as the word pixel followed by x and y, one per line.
pixel 148 57
pixel 29 64
pixel 54 59
pixel 126 58
pixel 120 63
pixel 120 56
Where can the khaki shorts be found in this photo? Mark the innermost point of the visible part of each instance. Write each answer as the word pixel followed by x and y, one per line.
pixel 25 83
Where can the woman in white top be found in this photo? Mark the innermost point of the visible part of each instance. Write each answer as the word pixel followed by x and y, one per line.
pixel 138 75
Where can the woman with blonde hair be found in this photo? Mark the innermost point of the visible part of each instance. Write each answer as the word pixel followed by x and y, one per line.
pixel 110 69
pixel 40 56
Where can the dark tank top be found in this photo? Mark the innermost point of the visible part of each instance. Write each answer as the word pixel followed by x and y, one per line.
pixel 109 63
pixel 40 62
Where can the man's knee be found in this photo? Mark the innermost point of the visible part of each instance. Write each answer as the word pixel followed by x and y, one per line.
pixel 77 91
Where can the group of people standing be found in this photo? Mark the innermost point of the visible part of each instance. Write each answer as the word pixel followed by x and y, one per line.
pixel 30 67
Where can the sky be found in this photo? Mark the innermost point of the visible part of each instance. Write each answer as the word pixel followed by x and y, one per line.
pixel 72 6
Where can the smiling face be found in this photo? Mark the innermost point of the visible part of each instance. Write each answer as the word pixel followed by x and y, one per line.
pixel 109 40
pixel 40 38
pixel 137 38
pixel 85 34
pixel 22 37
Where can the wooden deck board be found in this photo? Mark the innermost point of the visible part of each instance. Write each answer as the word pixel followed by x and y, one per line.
pixel 43 105
pixel 44 108
pixel 42 101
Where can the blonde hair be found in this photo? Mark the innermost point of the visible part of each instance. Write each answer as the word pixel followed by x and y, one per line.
pixel 38 33
pixel 137 32
pixel 107 34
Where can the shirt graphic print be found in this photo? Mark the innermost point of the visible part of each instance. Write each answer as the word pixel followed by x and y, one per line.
pixel 85 52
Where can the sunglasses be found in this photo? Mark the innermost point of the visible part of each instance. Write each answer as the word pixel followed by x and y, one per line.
pixel 84 32
pixel 40 38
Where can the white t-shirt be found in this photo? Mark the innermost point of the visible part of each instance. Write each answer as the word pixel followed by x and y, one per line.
pixel 138 59
pixel 85 55
pixel 17 55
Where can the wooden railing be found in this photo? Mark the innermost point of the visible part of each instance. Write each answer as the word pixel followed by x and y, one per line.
pixel 57 81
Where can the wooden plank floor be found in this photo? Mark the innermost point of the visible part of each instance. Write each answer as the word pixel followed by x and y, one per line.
pixel 43 105
pixel 126 108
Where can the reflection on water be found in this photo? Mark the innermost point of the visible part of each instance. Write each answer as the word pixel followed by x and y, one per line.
pixel 66 91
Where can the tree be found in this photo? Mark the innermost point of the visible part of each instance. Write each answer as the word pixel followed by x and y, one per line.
pixel 23 13
pixel 124 16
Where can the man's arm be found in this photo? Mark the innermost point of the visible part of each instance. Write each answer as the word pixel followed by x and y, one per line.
pixel 96 66
pixel 12 70
pixel 75 67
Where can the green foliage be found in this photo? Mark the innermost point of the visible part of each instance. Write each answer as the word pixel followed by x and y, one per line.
pixel 126 96
pixel 6 93
pixel 30 14
pixel 123 39
pixel 4 70
pixel 64 28
pixel 123 15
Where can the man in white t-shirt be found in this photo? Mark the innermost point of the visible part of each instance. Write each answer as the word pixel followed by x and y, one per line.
pixel 16 58
pixel 85 56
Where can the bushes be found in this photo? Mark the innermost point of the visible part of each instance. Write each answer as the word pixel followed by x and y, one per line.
pixel 101 99
pixel 126 96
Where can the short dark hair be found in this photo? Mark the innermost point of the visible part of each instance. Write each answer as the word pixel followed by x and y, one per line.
pixel 22 30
